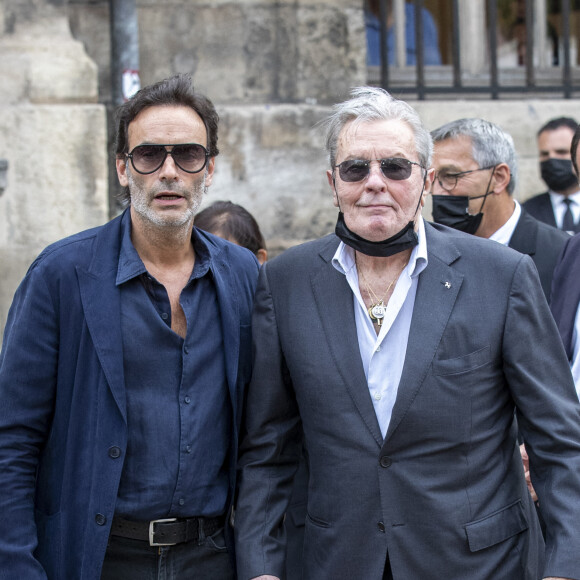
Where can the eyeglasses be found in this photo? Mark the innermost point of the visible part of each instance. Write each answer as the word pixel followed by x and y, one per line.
pixel 189 157
pixel 396 168
pixel 448 181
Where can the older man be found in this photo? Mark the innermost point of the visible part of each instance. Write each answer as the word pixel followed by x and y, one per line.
pixel 475 176
pixel 401 350
pixel 124 359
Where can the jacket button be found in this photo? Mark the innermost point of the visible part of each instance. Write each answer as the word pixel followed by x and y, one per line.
pixel 114 452
pixel 381 527
pixel 100 519
pixel 386 461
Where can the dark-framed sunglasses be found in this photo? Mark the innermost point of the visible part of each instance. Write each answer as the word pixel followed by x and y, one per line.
pixel 396 168
pixel 189 157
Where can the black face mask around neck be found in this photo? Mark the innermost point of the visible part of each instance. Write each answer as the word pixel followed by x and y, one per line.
pixel 452 211
pixel 558 174
pixel 404 240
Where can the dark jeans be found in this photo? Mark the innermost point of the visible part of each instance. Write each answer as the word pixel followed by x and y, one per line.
pixel 206 559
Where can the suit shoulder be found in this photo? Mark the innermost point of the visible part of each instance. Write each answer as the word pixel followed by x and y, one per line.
pixel 536 200
pixel 552 234
pixel 311 252
pixel 74 249
pixel 481 251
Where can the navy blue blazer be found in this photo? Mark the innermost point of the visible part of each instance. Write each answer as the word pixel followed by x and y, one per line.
pixel 566 291
pixel 63 429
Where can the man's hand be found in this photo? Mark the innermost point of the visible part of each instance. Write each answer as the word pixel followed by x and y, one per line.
pixel 526 462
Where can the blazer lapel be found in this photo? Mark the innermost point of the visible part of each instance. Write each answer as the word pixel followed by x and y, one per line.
pixel 437 292
pixel 524 238
pixel 331 288
pixel 230 319
pixel 101 301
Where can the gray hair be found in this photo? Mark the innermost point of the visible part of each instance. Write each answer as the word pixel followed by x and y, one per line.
pixel 491 145
pixel 374 104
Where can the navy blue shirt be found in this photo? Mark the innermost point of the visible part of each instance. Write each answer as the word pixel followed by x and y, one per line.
pixel 178 405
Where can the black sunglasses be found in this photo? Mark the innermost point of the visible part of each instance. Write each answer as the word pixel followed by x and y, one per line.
pixel 189 157
pixel 396 168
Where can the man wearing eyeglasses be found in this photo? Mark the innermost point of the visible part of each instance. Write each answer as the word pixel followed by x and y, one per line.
pixel 475 176
pixel 124 360
pixel 400 350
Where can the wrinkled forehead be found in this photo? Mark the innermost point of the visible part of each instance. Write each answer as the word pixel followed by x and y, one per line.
pixel 379 138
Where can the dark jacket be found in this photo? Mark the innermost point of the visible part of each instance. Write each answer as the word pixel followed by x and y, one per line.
pixel 63 426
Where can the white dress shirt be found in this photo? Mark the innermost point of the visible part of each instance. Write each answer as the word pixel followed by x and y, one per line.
pixel 383 355
pixel 575 363
pixel 505 233
pixel 559 207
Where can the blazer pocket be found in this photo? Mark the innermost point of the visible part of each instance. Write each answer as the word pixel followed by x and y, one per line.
pixel 317 522
pixel 461 364
pixel 496 527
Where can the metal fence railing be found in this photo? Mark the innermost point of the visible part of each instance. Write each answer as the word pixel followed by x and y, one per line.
pixel 536 75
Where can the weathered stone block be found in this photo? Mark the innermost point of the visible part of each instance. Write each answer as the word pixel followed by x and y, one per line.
pixel 42 63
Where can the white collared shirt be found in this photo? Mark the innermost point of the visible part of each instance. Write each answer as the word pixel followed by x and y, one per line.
pixel 559 207
pixel 505 233
pixel 383 355
pixel 575 363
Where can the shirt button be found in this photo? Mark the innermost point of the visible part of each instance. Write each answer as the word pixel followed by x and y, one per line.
pixel 187 399
pixel 181 501
pixel 114 452
pixel 164 315
pixel 185 350
pixel 100 520
pixel 188 448
pixel 377 396
pixel 381 527
pixel 378 348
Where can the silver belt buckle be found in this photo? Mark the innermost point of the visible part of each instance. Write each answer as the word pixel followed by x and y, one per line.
pixel 151 532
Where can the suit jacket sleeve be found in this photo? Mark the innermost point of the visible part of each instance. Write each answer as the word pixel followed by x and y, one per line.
pixel 270 449
pixel 549 417
pixel 28 366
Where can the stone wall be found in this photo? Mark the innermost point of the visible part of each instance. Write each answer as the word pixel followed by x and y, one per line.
pixel 273 68
pixel 53 134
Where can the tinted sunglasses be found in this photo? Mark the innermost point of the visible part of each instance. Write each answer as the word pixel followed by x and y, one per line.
pixel 396 168
pixel 189 157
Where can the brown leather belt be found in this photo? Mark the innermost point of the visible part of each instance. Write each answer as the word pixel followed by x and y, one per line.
pixel 168 531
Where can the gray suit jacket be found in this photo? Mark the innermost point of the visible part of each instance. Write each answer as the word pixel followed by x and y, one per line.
pixel 444 493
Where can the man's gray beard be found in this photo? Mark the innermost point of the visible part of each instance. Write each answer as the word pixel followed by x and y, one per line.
pixel 140 203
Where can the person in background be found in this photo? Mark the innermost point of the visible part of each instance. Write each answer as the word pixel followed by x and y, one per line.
pixel 565 302
pixel 475 176
pixel 236 224
pixel 560 205
pixel 431 53
pixel 122 374
pixel 397 352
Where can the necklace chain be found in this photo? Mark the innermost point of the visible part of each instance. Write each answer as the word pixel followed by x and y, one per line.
pixel 377 309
